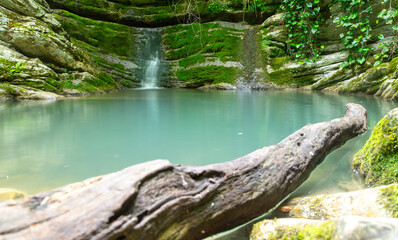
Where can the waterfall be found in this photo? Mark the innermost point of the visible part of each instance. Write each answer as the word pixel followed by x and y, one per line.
pixel 151 54
pixel 150 79
pixel 252 74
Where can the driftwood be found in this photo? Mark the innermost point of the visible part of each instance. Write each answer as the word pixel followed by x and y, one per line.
pixel 159 200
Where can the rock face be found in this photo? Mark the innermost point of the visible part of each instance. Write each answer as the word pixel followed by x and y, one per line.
pixel 34 50
pixel 326 74
pixel 217 51
pixel 149 13
pixel 377 161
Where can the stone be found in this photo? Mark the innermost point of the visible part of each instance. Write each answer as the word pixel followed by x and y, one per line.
pixel 278 34
pixel 25 7
pixel 274 20
pixel 218 86
pixel 366 203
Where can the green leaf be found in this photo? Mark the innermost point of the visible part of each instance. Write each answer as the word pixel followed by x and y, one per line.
pixel 361 60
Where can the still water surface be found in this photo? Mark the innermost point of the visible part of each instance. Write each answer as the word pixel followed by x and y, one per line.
pixel 48 144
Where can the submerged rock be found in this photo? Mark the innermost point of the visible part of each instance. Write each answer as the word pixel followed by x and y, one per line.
pixel 349 227
pixel 10 194
pixel 377 161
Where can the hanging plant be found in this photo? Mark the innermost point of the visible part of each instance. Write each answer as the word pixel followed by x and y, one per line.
pixel 303 18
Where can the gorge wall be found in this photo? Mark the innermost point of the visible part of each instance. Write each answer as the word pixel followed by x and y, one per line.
pixel 77 47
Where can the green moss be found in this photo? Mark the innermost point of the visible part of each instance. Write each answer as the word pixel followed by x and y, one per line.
pixel 10 91
pixel 209 74
pixel 281 77
pixel 389 199
pixel 377 161
pixel 81 87
pixel 316 231
pixel 192 60
pixel 277 63
pixel 128 84
pixel 41 85
pixel 108 37
pixel 9 68
pixel 100 83
pixel 197 40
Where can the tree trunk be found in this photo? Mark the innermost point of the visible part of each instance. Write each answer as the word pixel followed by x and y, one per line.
pixel 159 200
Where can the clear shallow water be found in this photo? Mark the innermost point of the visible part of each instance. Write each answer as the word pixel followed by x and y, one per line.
pixel 48 144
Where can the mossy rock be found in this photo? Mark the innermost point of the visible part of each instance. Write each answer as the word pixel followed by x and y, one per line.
pixel 377 161
pixel 99 35
pixel 199 76
pixel 292 229
pixel 348 227
pixel 193 43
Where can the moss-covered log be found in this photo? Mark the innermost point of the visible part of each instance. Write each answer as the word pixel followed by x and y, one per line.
pixel 159 200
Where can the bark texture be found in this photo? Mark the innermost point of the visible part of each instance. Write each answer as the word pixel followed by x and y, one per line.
pixel 159 200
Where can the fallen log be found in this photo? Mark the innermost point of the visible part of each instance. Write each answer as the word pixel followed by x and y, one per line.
pixel 159 200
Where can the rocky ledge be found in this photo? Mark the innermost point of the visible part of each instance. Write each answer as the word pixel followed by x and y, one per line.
pixel 37 59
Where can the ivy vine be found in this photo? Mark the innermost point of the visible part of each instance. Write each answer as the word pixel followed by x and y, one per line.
pixel 358 34
pixel 302 19
pixel 387 49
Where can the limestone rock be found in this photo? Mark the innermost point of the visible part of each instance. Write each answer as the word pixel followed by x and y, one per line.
pixel 25 7
pixel 275 20
pixel 219 86
pixel 34 50
pixel 372 202
pixel 389 89
pixel 377 161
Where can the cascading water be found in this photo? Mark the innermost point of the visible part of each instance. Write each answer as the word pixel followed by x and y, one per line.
pixel 151 56
pixel 150 79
